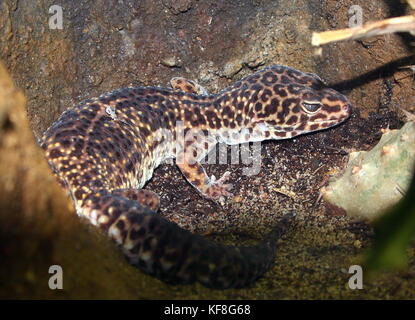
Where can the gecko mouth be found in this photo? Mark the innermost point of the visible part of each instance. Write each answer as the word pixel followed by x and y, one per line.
pixel 323 122
pixel 313 125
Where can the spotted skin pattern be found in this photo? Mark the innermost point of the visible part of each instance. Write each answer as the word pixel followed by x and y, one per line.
pixel 105 149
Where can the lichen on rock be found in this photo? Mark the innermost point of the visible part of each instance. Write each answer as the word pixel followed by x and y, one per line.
pixel 377 179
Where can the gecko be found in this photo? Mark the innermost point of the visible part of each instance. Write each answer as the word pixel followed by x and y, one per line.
pixel 105 149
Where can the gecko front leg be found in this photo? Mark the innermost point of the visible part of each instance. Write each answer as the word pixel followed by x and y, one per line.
pixel 210 188
pixel 189 164
pixel 187 161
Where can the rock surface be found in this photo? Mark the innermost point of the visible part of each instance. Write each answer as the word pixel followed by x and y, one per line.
pixel 110 44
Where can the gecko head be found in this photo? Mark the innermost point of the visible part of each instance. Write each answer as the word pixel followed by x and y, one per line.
pixel 299 103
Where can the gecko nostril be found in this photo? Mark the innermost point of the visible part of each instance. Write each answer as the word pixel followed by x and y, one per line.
pixel 347 107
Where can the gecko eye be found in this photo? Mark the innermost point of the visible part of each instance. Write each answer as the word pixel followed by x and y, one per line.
pixel 311 107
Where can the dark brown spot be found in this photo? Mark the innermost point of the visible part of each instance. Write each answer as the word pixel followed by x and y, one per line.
pixel 226 111
pixel 292 120
pixel 269 78
pixel 314 126
pixel 237 84
pixel 187 114
pixel 285 80
pixel 301 127
pixel 318 116
pixel 280 90
pixel 280 134
pixel 55 153
pixel 257 87
pixel 278 69
pixel 274 105
pixel 239 118
pixel 294 89
pixel 266 94
pixel 335 108
pixel 78 194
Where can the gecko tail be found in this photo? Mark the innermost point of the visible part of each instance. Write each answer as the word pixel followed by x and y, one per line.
pixel 162 249
pixel 241 266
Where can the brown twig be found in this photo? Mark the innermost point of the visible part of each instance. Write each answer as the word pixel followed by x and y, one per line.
pixel 399 24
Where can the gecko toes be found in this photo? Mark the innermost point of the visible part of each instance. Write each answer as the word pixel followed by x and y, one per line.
pixel 218 188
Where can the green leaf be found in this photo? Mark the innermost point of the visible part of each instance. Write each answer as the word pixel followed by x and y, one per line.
pixel 394 232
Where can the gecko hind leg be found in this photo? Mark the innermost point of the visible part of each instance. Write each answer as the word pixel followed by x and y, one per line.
pixel 146 198
pixel 189 86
